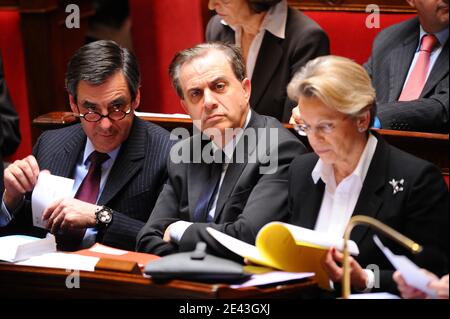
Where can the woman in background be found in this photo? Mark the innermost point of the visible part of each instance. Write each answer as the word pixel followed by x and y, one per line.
pixel 353 171
pixel 275 41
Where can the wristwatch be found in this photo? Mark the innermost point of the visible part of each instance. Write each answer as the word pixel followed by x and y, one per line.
pixel 103 216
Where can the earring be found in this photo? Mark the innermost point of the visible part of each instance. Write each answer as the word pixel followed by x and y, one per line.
pixel 361 129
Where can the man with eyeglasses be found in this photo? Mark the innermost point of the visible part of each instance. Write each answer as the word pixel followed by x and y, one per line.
pixel 118 161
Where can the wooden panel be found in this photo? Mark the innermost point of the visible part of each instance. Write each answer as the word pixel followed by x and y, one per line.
pixel 33 282
pixel 351 5
pixel 429 146
pixel 48 46
pixel 9 4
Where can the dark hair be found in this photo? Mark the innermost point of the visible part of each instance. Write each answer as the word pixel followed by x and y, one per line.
pixel 259 6
pixel 97 61
pixel 232 53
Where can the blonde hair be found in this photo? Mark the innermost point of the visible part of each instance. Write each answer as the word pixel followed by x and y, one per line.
pixel 340 83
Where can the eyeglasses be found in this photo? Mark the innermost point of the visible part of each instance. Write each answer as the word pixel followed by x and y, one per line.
pixel 305 130
pixel 114 115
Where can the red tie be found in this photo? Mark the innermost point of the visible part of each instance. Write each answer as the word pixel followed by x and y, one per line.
pixel 89 188
pixel 416 81
pixel 87 192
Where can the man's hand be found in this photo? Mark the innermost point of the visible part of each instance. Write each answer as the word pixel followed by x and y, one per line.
pixel 69 214
pixel 358 277
pixel 20 178
pixel 166 236
pixel 295 117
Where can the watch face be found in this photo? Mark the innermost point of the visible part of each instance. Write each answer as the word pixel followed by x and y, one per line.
pixel 104 217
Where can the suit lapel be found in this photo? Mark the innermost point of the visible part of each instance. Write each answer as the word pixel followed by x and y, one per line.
pixel 127 163
pixel 402 56
pixel 370 200
pixel 198 175
pixel 440 69
pixel 267 62
pixel 63 162
pixel 234 170
pixel 311 200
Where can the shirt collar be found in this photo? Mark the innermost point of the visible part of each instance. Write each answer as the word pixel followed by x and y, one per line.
pixel 228 150
pixel 442 36
pixel 274 21
pixel 326 173
pixel 89 148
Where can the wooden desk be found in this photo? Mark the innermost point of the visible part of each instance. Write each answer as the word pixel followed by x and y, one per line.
pixel 37 282
pixel 429 146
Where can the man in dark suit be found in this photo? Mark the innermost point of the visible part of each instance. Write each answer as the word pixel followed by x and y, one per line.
pixel 237 195
pixel 395 54
pixel 9 124
pixel 118 161
pixel 290 39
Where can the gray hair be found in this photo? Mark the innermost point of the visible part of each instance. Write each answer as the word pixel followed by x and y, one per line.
pixel 232 53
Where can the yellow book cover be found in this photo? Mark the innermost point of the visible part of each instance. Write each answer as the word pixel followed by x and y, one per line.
pixel 287 247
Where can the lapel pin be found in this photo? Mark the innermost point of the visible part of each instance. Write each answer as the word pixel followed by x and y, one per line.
pixel 397 186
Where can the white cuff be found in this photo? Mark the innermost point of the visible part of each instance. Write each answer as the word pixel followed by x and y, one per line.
pixel 177 230
pixel 370 282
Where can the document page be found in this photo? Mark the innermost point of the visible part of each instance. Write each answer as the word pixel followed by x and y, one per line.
pixel 48 189
pixel 409 270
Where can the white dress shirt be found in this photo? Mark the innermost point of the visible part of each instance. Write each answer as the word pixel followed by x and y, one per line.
pixel 81 170
pixel 273 22
pixel 178 228
pixel 339 201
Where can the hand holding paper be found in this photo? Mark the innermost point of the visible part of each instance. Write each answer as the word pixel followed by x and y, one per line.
pixel 411 273
pixel 48 189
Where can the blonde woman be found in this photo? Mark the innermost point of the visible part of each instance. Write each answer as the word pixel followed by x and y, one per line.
pixel 353 171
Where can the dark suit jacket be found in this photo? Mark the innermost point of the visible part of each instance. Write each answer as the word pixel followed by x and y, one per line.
pixel 9 125
pixel 392 54
pixel 420 211
pixel 278 60
pixel 247 199
pixel 133 184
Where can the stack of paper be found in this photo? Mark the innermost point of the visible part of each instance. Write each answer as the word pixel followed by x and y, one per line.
pixel 18 247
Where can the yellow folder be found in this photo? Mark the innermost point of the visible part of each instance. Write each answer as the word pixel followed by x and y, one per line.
pixel 287 247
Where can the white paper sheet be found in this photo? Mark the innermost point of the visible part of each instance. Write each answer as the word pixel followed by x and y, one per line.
pixel 163 115
pixel 48 189
pixel 272 278
pixel 409 270
pixel 235 245
pixel 375 295
pixel 62 261
pixel 99 248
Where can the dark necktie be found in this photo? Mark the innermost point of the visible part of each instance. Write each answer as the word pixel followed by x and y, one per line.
pixel 90 186
pixel 207 196
pixel 87 192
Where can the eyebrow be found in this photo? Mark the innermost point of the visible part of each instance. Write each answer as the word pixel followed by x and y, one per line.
pixel 119 100
pixel 89 105
pixel 211 82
